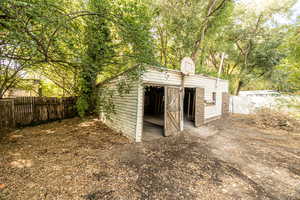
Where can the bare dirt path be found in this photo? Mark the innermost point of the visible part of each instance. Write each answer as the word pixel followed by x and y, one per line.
pixel 84 160
pixel 269 160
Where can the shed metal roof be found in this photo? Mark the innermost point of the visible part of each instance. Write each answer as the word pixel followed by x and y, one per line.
pixel 162 69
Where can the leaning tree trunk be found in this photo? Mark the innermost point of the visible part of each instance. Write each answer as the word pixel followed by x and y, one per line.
pixel 239 87
pixel 1 93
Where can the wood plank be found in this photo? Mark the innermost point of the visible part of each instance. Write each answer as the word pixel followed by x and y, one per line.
pixel 199 107
pixel 27 110
pixel 172 111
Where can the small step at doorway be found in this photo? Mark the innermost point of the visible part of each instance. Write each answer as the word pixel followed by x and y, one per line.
pixel 152 132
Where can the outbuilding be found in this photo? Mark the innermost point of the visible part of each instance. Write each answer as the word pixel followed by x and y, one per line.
pixel 161 102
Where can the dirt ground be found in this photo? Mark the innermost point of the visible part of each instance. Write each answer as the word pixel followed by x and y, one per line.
pixel 82 159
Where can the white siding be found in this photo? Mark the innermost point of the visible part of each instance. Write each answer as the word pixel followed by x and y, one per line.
pixel 157 77
pixel 140 113
pixel 210 85
pixel 126 108
pixel 129 108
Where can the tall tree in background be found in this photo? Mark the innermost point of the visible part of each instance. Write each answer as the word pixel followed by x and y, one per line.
pixel 74 43
pixel 183 27
pixel 71 43
pixel 286 76
pixel 251 42
pixel 117 36
pixel 38 35
pixel 98 52
pixel 256 43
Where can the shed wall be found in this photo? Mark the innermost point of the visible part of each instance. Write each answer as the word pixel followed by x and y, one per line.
pixel 129 108
pixel 210 85
pixel 140 113
pixel 126 110
pixel 157 77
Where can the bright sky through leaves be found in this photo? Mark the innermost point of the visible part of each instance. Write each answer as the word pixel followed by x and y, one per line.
pixel 260 5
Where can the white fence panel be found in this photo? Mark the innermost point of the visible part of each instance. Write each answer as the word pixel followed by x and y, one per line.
pixel 248 104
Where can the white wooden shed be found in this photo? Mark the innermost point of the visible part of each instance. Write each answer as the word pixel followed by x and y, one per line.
pixel 164 101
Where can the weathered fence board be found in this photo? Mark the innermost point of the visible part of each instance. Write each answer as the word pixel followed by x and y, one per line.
pixel 6 114
pixel 23 111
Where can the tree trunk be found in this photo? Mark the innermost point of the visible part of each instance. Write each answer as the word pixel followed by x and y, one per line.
pixel 1 93
pixel 239 87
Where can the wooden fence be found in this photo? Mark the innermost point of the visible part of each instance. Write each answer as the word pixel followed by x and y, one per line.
pixel 22 111
pixel 6 114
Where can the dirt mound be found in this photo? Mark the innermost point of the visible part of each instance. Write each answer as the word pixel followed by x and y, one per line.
pixel 268 118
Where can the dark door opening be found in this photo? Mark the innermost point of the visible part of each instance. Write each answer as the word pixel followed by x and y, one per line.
pixel 189 106
pixel 154 110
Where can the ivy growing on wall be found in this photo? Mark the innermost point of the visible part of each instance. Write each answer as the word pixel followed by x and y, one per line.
pixel 105 103
pixel 125 83
pixel 117 37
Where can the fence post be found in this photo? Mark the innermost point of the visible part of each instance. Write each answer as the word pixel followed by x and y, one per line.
pixel 13 113
pixel 32 109
pixel 225 103
pixel 61 113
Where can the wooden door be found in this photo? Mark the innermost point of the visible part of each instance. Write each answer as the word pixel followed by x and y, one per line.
pixel 199 107
pixel 172 111
pixel 225 103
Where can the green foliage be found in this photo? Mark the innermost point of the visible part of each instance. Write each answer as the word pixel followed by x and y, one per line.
pixel 98 51
pixel 49 89
pixel 38 30
pixel 39 35
pixel 259 62
pixel 104 101
pixel 287 77
pixel 128 79
pixel 251 44
pixel 117 36
pixel 125 82
pixel 75 43
pixel 83 105
pixel 187 29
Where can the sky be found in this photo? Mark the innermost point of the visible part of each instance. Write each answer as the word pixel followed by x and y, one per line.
pixel 296 11
pixel 293 18
pixel 260 5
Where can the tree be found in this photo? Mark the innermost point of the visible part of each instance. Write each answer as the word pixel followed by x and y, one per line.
pixel 185 30
pixel 251 42
pixel 117 36
pixel 286 77
pixel 75 43
pixel 10 74
pixel 36 33
pixel 71 43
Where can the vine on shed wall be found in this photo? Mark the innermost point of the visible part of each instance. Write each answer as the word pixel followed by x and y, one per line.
pixel 106 93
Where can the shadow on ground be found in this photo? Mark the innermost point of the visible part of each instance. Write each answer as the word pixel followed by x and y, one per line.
pixel 85 160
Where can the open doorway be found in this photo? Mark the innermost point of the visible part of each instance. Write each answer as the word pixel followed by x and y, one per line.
pixel 189 107
pixel 154 110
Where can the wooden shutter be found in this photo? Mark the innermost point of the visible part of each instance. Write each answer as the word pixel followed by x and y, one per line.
pixel 225 103
pixel 199 110
pixel 172 111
